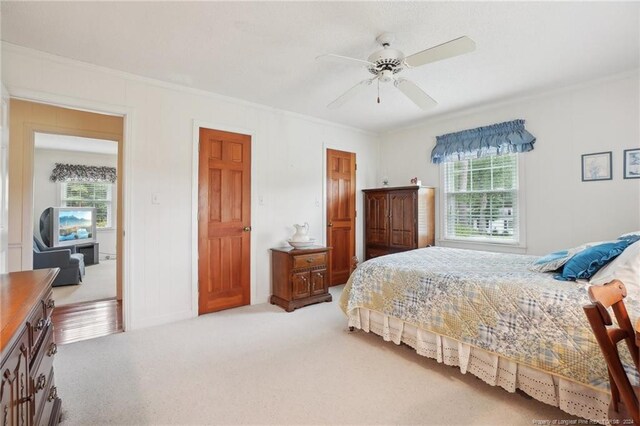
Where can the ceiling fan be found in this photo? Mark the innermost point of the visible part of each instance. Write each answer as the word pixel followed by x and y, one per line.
pixel 386 63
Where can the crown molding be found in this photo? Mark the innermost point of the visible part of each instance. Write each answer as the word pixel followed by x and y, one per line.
pixel 516 99
pixel 38 54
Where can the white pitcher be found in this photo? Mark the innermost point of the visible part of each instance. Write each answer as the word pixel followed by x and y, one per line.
pixel 302 232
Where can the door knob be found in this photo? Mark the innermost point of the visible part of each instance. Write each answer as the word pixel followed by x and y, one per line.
pixel 246 229
pixel 329 224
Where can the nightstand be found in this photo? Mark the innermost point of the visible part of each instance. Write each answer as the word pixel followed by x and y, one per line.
pixel 299 276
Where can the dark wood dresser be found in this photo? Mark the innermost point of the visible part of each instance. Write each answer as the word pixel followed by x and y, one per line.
pixel 398 219
pixel 299 276
pixel 28 395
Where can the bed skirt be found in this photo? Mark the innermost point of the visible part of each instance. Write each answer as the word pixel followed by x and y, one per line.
pixel 572 397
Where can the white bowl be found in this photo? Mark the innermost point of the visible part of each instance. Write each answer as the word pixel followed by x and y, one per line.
pixel 301 244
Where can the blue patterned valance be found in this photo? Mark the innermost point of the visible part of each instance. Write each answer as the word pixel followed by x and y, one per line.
pixel 501 138
pixel 80 173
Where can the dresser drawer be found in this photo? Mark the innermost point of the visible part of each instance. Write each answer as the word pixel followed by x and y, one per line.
pixel 48 304
pixel 309 260
pixel 36 326
pixel 44 416
pixel 42 369
pixel 371 253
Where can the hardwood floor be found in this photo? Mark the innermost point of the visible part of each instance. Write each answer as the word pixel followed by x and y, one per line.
pixel 87 320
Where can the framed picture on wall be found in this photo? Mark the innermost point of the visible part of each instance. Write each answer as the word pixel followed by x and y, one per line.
pixel 596 166
pixel 632 163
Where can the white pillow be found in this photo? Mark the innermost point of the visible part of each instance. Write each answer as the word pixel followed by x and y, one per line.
pixel 625 268
pixel 629 233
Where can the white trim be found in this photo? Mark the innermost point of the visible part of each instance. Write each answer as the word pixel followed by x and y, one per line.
pixel 128 117
pixel 478 244
pixel 197 124
pixel 33 53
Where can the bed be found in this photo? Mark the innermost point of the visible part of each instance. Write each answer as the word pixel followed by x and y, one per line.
pixel 487 314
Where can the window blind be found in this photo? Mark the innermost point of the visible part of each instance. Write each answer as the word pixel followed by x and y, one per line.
pixel 481 199
pixel 89 194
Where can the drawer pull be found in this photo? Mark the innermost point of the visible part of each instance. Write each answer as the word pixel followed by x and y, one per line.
pixel 310 260
pixel 39 325
pixel 41 383
pixel 51 304
pixel 53 393
pixel 53 349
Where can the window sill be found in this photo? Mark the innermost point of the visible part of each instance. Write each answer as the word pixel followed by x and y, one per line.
pixel 483 245
pixel 111 229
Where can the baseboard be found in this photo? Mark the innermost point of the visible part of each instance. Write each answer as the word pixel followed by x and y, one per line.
pixel 138 323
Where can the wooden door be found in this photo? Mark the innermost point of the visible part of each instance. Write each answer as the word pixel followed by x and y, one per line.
pixel 224 220
pixel 402 219
pixel 341 213
pixel 377 218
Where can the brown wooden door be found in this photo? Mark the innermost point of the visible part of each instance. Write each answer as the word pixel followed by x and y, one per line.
pixel 377 218
pixel 224 220
pixel 341 213
pixel 402 219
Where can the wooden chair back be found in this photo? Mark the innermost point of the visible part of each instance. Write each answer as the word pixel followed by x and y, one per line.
pixel 611 295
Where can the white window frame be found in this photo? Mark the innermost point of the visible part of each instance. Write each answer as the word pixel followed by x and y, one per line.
pixel 482 244
pixel 110 225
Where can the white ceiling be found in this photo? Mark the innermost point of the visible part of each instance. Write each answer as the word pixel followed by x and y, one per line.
pixel 75 144
pixel 265 52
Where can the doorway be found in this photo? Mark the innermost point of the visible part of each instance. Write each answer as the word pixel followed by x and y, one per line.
pixel 224 220
pixel 71 168
pixel 341 213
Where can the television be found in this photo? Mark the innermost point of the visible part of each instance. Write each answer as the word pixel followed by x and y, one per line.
pixel 68 226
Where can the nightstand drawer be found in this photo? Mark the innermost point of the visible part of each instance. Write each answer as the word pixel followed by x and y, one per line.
pixel 309 260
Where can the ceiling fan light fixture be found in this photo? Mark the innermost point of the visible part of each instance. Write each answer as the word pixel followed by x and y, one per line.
pixel 387 62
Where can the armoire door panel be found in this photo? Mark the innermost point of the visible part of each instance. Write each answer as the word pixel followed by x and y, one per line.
pixel 402 219
pixel 377 217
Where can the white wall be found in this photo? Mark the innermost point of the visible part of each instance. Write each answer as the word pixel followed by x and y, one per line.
pixel 288 157
pixel 561 211
pixel 47 194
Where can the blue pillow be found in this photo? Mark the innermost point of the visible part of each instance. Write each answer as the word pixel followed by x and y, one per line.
pixel 586 263
pixel 632 238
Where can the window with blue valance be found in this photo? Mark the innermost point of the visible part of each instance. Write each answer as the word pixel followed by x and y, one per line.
pixel 496 139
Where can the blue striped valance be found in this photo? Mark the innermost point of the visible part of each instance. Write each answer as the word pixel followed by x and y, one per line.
pixel 501 138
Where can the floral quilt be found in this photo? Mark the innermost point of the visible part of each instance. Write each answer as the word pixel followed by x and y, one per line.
pixel 491 301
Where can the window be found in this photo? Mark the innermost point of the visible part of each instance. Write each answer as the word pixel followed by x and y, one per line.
pixel 481 199
pixel 98 195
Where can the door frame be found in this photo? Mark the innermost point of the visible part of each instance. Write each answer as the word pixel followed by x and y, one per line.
pixel 128 114
pixel 195 161
pixel 358 206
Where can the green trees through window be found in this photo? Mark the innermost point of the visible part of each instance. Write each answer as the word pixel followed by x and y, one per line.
pixel 481 199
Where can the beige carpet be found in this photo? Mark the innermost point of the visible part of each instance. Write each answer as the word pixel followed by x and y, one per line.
pixel 261 365
pixel 99 282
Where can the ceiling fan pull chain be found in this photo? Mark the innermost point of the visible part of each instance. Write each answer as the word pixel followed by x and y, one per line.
pixel 378 90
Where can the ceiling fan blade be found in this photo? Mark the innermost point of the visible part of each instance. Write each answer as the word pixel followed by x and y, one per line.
pixel 330 57
pixel 446 50
pixel 350 93
pixel 415 93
